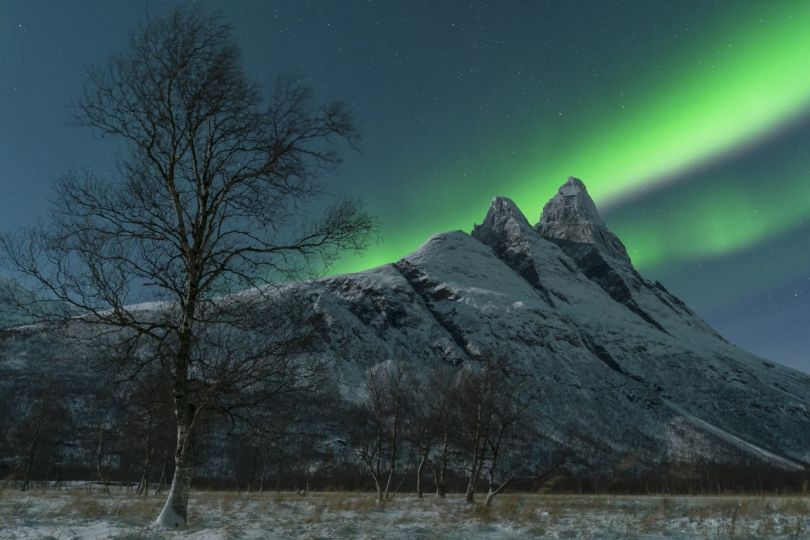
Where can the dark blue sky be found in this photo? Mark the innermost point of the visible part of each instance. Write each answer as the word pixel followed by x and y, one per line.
pixel 462 101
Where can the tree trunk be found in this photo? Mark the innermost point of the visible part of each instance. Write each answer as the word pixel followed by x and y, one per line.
pixel 143 484
pixel 378 485
pixel 419 494
pixel 175 511
pixel 438 483
pixel 262 473
pixel 164 472
pixel 493 491
pixel 440 477
pixel 392 463
pixel 490 495
pixel 475 474
pixel 252 472
pixel 479 445
pixel 495 448
pixel 49 471
pixel 379 492
pixel 101 479
pixel 469 495
pixel 31 454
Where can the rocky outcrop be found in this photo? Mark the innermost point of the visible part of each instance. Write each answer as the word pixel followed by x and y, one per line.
pixel 571 217
pixel 570 220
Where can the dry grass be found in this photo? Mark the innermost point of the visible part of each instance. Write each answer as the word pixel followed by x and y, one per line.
pixel 357 514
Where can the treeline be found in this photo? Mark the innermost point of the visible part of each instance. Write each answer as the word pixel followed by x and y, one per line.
pixel 78 411
pixel 70 412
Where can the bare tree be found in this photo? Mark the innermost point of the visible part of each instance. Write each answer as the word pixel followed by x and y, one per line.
pixel 148 409
pixel 432 417
pixel 377 424
pixel 212 188
pixel 512 434
pixel 37 423
pixel 499 427
pixel 475 403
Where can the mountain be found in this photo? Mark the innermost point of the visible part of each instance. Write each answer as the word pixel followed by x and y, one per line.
pixel 624 367
pixel 631 379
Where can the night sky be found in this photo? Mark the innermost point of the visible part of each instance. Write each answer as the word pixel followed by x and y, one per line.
pixel 688 121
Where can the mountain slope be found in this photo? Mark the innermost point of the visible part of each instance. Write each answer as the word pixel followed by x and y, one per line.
pixel 625 368
pixel 631 379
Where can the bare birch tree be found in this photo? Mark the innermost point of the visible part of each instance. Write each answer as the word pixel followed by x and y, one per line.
pixel 496 406
pixel 212 186
pixel 430 422
pixel 475 403
pixel 378 422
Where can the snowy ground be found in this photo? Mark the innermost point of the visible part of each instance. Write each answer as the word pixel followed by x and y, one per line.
pixel 78 514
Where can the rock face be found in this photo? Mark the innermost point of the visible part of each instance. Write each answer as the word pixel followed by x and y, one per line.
pixel 630 376
pixel 571 217
pixel 570 220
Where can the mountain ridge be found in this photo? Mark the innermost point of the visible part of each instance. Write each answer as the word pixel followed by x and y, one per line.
pixel 562 305
pixel 631 378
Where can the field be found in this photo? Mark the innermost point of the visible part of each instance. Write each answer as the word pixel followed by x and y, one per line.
pixel 79 514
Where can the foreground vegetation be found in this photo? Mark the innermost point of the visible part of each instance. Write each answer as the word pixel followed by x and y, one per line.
pixel 216 514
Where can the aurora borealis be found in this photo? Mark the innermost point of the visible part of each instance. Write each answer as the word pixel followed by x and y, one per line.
pixel 688 121
pixel 749 85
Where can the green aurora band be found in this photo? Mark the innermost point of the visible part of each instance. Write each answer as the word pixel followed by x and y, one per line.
pixel 720 219
pixel 715 97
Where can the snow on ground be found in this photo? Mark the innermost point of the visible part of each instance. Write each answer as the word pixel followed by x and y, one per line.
pixel 214 515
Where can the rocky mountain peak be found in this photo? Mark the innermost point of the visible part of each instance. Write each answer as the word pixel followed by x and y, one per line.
pixel 504 223
pixel 504 207
pixel 571 217
pixel 504 226
pixel 571 206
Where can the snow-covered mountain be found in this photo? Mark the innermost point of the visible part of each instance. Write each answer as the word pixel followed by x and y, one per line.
pixel 627 370
pixel 631 379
